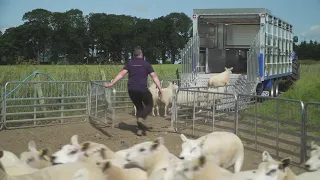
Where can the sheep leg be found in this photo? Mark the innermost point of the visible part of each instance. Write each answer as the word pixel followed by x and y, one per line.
pixel 157 107
pixel 165 110
pixel 238 164
pixel 153 111
pixel 135 110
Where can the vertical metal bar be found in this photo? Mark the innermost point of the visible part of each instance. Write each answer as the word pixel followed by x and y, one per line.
pixel 236 116
pixel 113 107
pixel 96 108
pixel 277 128
pixel 255 123
pixel 35 102
pixel 213 111
pixel 62 101
pixel 4 112
pixel 89 87
pixel 303 141
pixel 194 111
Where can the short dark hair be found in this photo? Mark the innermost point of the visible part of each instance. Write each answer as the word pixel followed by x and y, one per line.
pixel 137 51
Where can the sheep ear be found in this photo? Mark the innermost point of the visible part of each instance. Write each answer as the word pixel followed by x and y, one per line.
pixel 32 146
pixel 183 138
pixel 225 68
pixel 266 157
pixel 231 68
pixel 85 146
pixel 284 163
pixel 156 143
pixel 74 140
pixel 105 166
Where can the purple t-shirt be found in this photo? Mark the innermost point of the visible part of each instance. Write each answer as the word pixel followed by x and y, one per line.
pixel 138 70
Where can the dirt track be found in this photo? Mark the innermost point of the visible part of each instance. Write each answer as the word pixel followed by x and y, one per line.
pixel 118 138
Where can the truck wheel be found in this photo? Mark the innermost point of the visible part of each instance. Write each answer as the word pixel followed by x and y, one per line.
pixel 276 89
pixel 295 70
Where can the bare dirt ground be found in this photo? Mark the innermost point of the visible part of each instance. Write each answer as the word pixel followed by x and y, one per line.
pixel 120 137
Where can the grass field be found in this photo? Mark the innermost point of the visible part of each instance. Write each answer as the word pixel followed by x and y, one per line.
pixel 73 72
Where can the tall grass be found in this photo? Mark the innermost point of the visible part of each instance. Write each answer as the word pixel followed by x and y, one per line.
pixel 73 72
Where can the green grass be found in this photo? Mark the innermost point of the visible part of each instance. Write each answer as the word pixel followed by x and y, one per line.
pixel 306 89
pixel 73 72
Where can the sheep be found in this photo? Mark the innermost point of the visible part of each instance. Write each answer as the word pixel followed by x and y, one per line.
pixel 224 148
pixel 74 151
pixel 34 158
pixel 275 170
pixel 221 79
pixel 76 171
pixel 117 173
pixel 312 164
pixel 13 165
pixel 166 97
pixel 202 168
pixel 152 156
pixel 154 91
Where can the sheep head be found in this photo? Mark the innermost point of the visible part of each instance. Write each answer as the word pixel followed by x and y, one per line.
pixel 147 154
pixel 191 149
pixel 229 70
pixel 313 163
pixel 36 158
pixel 272 170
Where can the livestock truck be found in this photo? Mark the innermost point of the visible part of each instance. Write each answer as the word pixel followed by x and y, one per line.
pixel 256 43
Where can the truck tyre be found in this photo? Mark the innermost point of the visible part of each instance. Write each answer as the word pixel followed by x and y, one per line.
pixel 275 88
pixel 295 70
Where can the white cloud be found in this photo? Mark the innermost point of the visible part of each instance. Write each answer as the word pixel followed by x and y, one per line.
pixel 312 34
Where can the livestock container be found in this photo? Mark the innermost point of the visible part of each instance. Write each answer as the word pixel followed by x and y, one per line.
pixel 256 43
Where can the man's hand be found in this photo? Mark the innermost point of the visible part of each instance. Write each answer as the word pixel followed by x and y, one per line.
pixel 107 85
pixel 160 93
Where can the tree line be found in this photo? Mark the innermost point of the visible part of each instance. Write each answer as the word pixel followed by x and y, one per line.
pixel 308 50
pixel 100 38
pixel 71 36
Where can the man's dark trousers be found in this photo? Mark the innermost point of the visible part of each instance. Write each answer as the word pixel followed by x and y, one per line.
pixel 140 98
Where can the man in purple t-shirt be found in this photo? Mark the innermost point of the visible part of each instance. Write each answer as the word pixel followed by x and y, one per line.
pixel 138 70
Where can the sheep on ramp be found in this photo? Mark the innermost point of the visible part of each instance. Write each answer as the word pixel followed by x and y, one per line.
pixel 221 79
pixel 76 171
pixel 312 164
pixel 36 158
pixel 223 148
pixel 274 170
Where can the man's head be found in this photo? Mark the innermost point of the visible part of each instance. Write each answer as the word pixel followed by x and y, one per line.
pixel 137 52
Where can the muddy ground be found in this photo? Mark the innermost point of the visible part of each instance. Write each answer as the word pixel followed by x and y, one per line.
pixel 120 137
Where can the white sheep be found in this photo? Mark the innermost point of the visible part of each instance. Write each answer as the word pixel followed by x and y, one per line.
pixel 224 148
pixel 74 151
pixel 274 170
pixel 201 168
pixel 75 171
pixel 155 97
pixel 221 79
pixel 116 173
pixel 34 158
pixel 312 164
pixel 167 95
pixel 13 165
pixel 152 156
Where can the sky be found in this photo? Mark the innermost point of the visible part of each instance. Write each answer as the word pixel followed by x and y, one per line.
pixel 304 15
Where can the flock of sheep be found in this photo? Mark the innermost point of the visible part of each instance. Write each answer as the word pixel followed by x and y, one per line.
pixel 205 158
pixel 217 81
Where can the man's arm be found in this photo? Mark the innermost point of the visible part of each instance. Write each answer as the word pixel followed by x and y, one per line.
pixel 156 79
pixel 120 75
